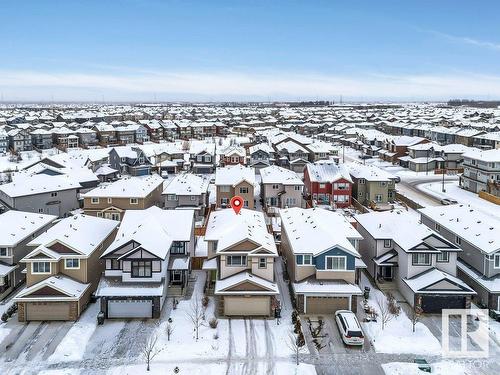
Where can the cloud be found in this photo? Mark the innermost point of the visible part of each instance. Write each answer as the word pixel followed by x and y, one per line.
pixel 35 85
pixel 465 40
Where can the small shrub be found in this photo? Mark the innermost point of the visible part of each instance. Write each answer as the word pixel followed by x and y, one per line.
pixel 204 301
pixel 213 323
pixel 5 317
pixel 295 315
pixel 11 310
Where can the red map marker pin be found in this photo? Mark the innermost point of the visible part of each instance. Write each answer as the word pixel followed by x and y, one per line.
pixel 236 204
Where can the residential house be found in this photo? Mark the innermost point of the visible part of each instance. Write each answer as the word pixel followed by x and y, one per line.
pixel 372 185
pixel 261 156
pixel 129 193
pixel 86 137
pixel 4 141
pixel 234 155
pixel 235 180
pixel 240 263
pixel 396 147
pixel 481 171
pixel 321 258
pixel 20 140
pixel 106 133
pixel 280 188
pixel 202 157
pixel 42 193
pixel 402 253
pixel 129 160
pixel 476 234
pixel 187 190
pixel 149 258
pixel 18 228
pixel 328 184
pixel 64 268
pixel 41 139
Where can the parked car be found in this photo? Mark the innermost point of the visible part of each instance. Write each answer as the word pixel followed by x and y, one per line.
pixel 448 201
pixel 423 365
pixel 363 156
pixel 349 328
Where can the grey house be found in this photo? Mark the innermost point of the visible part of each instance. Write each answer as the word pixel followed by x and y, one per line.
pixel 18 228
pixel 130 161
pixel 41 139
pixel 402 253
pixel 41 193
pixel 477 234
pixel 4 141
pixel 187 191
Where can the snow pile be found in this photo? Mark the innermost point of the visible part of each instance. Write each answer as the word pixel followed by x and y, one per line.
pixel 439 368
pixel 72 346
pixel 4 332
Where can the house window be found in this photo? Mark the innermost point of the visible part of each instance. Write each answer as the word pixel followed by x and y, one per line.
pixel 40 210
pixel 383 183
pixel 437 227
pixel 322 186
pixel 110 200
pixel 443 257
pixel 421 259
pixel 336 263
pixel 243 190
pixel 245 203
pixel 236 260
pixel 262 263
pixel 53 194
pixel 224 201
pixel 307 260
pixel 387 243
pixel 496 263
pixel 99 214
pixel 178 247
pixel 378 198
pixel 199 158
pixel 94 200
pixel 458 240
pixel 40 267
pixel 224 188
pixel 171 197
pixel 208 159
pixel 362 181
pixel 275 186
pixel 115 264
pixel 297 188
pixel 72 263
pixel 4 252
pixel 134 201
pixel 141 269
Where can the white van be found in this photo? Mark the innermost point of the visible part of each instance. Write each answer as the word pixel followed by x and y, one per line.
pixel 349 327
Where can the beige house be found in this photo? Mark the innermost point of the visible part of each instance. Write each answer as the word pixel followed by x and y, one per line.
pixel 235 180
pixel 280 188
pixel 130 193
pixel 240 263
pixel 64 268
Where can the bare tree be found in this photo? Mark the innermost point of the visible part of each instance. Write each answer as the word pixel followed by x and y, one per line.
pixel 296 345
pixel 196 313
pixel 385 313
pixel 150 350
pixel 414 314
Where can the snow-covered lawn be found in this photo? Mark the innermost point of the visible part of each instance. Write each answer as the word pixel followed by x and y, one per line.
pixel 398 337
pixel 439 368
pixel 4 332
pixel 72 346
pixel 454 191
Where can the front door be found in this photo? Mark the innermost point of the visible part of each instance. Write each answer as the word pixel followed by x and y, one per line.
pixel 386 272
pixel 176 278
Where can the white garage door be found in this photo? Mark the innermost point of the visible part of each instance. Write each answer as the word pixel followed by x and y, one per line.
pixel 247 306
pixel 47 311
pixel 130 308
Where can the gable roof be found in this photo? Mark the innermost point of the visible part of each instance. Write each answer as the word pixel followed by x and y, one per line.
pixel 327 172
pixel 133 187
pixel 278 175
pixel 71 288
pixel 234 174
pixel 187 184
pixel 223 286
pixel 38 184
pixel 17 226
pixel 423 282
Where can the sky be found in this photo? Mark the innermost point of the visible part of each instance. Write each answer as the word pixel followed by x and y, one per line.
pixel 141 50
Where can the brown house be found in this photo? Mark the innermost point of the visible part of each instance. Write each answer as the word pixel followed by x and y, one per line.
pixel 130 193
pixel 64 268
pixel 235 180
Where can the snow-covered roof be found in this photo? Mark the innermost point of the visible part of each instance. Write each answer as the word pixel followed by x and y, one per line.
pixel 234 174
pixel 369 172
pixel 245 277
pixel 278 175
pixel 82 233
pixel 478 229
pixel 326 287
pixel 488 156
pixel 66 285
pixel 38 184
pixel 18 225
pixel 187 184
pixel 230 229
pixel 424 280
pixel 134 187
pixel 154 229
pixel 489 283
pixel 309 231
pixel 327 172
pixel 6 269
pixel 114 287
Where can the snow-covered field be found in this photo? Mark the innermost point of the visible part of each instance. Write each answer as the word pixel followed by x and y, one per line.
pixel 439 368
pixel 398 337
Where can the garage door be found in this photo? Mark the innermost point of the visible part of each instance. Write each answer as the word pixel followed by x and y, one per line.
pixel 325 305
pixel 47 311
pixel 434 304
pixel 247 306
pixel 130 309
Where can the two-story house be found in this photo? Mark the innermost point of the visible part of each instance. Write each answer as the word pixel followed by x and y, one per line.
pixel 481 171
pixel 150 257
pixel 233 155
pixel 280 188
pixel 4 141
pixel 202 157
pixel 18 228
pixel 328 184
pixel 372 185
pixel 402 253
pixel 235 180
pixel 261 155
pixel 187 190
pixel 129 160
pixel 323 265
pixel 64 268
pixel 476 234
pixel 129 193
pixel 240 263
